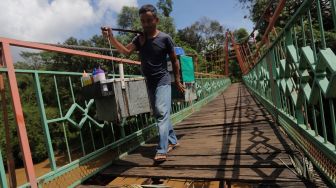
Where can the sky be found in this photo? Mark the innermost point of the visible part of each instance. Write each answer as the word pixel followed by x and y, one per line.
pixel 228 12
pixel 53 21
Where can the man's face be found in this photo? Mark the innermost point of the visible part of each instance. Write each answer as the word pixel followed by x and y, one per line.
pixel 148 21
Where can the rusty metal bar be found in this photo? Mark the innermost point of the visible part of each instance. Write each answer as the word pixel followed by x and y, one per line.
pixel 274 18
pixel 18 114
pixel 238 54
pixel 78 47
pixel 9 154
pixel 40 46
pixel 246 60
pixel 249 57
pixel 270 26
pixel 266 11
pixel 226 53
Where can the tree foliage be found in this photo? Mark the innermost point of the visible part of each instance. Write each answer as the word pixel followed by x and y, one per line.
pixel 259 13
pixel 241 34
pixel 129 18
pixel 165 6
pixel 191 37
pixel 204 35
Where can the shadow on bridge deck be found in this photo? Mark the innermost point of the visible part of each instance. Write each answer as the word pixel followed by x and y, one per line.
pixel 232 139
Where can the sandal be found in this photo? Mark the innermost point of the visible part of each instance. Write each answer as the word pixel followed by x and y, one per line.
pixel 159 157
pixel 172 146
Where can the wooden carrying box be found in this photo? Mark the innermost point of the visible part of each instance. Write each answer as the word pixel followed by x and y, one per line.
pixel 114 102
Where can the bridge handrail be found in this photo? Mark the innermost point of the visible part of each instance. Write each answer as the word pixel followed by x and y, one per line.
pixel 295 79
pixel 3 179
pixel 40 46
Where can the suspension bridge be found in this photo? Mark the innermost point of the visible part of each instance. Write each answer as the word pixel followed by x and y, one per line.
pixel 275 128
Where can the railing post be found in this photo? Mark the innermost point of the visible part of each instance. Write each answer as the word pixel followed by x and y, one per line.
pixel 18 114
pixel 320 20
pixel 270 58
pixel 3 180
pixel 44 121
pixel 226 54
pixel 333 10
pixel 61 114
pixel 333 122
pixel 9 153
pixel 122 128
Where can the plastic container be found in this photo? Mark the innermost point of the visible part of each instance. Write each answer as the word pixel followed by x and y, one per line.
pixel 99 75
pixel 179 51
pixel 86 79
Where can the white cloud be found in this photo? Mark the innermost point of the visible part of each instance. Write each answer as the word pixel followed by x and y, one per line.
pixel 114 5
pixel 54 21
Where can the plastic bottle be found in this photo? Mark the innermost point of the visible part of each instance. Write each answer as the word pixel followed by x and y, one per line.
pixel 93 72
pixel 86 79
pixel 99 75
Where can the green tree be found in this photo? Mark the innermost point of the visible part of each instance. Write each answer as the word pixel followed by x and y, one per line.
pixel 204 35
pixel 166 7
pixel 191 37
pixel 241 34
pixel 259 13
pixel 212 32
pixel 166 24
pixel 128 18
pixel 33 59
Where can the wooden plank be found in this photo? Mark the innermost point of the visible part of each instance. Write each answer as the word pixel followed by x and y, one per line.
pixel 176 183
pixel 214 184
pixel 182 183
pixel 263 160
pixel 119 181
pixel 233 174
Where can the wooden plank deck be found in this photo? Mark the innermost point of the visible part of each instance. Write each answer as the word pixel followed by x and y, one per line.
pixel 231 139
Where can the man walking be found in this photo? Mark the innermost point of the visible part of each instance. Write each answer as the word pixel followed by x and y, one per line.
pixel 153 47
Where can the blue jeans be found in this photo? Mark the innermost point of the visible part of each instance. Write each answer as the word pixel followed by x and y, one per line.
pixel 160 98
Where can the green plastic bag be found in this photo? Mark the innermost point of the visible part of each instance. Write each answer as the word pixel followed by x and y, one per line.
pixel 187 69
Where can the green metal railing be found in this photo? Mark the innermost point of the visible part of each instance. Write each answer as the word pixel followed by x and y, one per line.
pixel 3 179
pixel 295 79
pixel 73 137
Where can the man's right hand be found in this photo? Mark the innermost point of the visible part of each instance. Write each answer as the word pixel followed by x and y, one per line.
pixel 107 32
pixel 180 86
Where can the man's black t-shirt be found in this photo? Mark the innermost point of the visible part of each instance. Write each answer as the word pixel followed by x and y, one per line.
pixel 153 56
